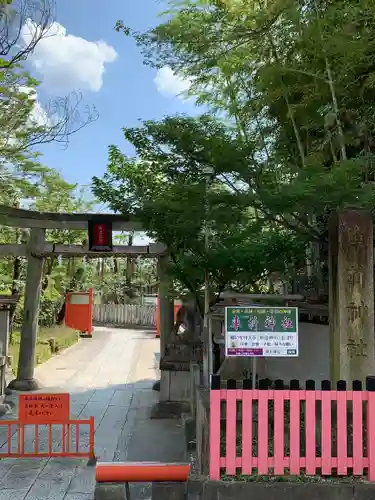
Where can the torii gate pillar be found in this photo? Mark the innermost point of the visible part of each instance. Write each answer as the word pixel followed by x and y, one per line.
pixel 165 311
pixel 25 374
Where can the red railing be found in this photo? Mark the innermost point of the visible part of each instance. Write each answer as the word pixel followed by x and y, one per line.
pixel 287 432
pixel 57 439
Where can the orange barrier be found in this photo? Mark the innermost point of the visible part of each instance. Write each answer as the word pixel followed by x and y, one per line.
pixel 67 445
pixel 141 472
pixel 78 311
pixel 44 421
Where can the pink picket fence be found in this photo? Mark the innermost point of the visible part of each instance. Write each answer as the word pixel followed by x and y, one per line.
pixel 289 432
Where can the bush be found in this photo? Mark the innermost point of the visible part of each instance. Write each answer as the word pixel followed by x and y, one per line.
pixel 50 341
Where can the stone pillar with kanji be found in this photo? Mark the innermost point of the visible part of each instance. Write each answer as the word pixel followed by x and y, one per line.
pixel 351 295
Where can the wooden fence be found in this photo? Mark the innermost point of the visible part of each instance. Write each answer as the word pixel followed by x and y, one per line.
pixel 124 315
pixel 287 432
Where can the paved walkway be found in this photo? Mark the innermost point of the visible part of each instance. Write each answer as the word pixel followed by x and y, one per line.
pixel 109 377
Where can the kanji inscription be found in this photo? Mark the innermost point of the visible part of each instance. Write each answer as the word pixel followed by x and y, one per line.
pixel 44 408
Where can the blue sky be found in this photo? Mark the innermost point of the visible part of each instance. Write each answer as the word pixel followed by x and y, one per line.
pixel 88 54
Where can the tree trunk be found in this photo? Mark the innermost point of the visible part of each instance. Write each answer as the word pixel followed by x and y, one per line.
pixel 61 315
pixel 48 268
pixel 15 289
pixel 17 268
pixel 129 265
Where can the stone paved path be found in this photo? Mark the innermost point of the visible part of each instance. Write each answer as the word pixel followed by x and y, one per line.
pixel 109 377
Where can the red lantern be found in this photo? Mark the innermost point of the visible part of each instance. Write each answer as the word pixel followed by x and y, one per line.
pixel 100 236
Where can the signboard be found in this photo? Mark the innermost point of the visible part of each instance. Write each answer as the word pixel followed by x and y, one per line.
pixel 78 311
pixel 100 236
pixel 82 299
pixel 44 408
pixel 261 331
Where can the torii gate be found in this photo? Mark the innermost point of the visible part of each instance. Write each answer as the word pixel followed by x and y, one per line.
pixel 37 249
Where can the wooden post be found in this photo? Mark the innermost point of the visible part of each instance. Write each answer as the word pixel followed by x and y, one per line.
pixel 351 296
pixel 25 375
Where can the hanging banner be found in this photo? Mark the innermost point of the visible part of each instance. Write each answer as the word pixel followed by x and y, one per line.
pixel 261 331
pixel 100 236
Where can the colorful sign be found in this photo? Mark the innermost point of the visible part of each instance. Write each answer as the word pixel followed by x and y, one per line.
pixel 44 408
pixel 261 331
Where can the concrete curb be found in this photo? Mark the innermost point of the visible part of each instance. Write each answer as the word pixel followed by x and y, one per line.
pixel 203 489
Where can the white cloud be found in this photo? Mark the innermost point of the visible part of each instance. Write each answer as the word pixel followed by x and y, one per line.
pixel 38 115
pixel 67 62
pixel 170 84
pixel 37 118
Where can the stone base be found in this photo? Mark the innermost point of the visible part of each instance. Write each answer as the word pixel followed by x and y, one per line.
pixel 156 386
pixel 24 385
pixel 175 386
pixel 160 491
pixel 92 462
pixel 4 409
pixel 169 491
pixel 85 335
pixel 111 491
pixel 189 425
pixel 203 489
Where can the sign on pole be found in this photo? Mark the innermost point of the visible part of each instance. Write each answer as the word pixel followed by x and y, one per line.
pixel 261 331
pixel 44 408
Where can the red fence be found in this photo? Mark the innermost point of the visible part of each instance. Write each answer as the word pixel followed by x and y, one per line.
pixel 287 432
pixel 55 439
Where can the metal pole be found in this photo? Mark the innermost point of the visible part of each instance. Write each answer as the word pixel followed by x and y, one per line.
pixel 210 350
pixel 254 366
pixel 254 372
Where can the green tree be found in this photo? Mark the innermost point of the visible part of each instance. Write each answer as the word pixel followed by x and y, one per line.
pixel 62 275
pixel 165 188
pixel 295 80
pixel 25 123
pixel 54 194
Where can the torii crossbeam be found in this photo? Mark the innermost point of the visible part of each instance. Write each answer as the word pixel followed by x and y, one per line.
pixel 37 249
